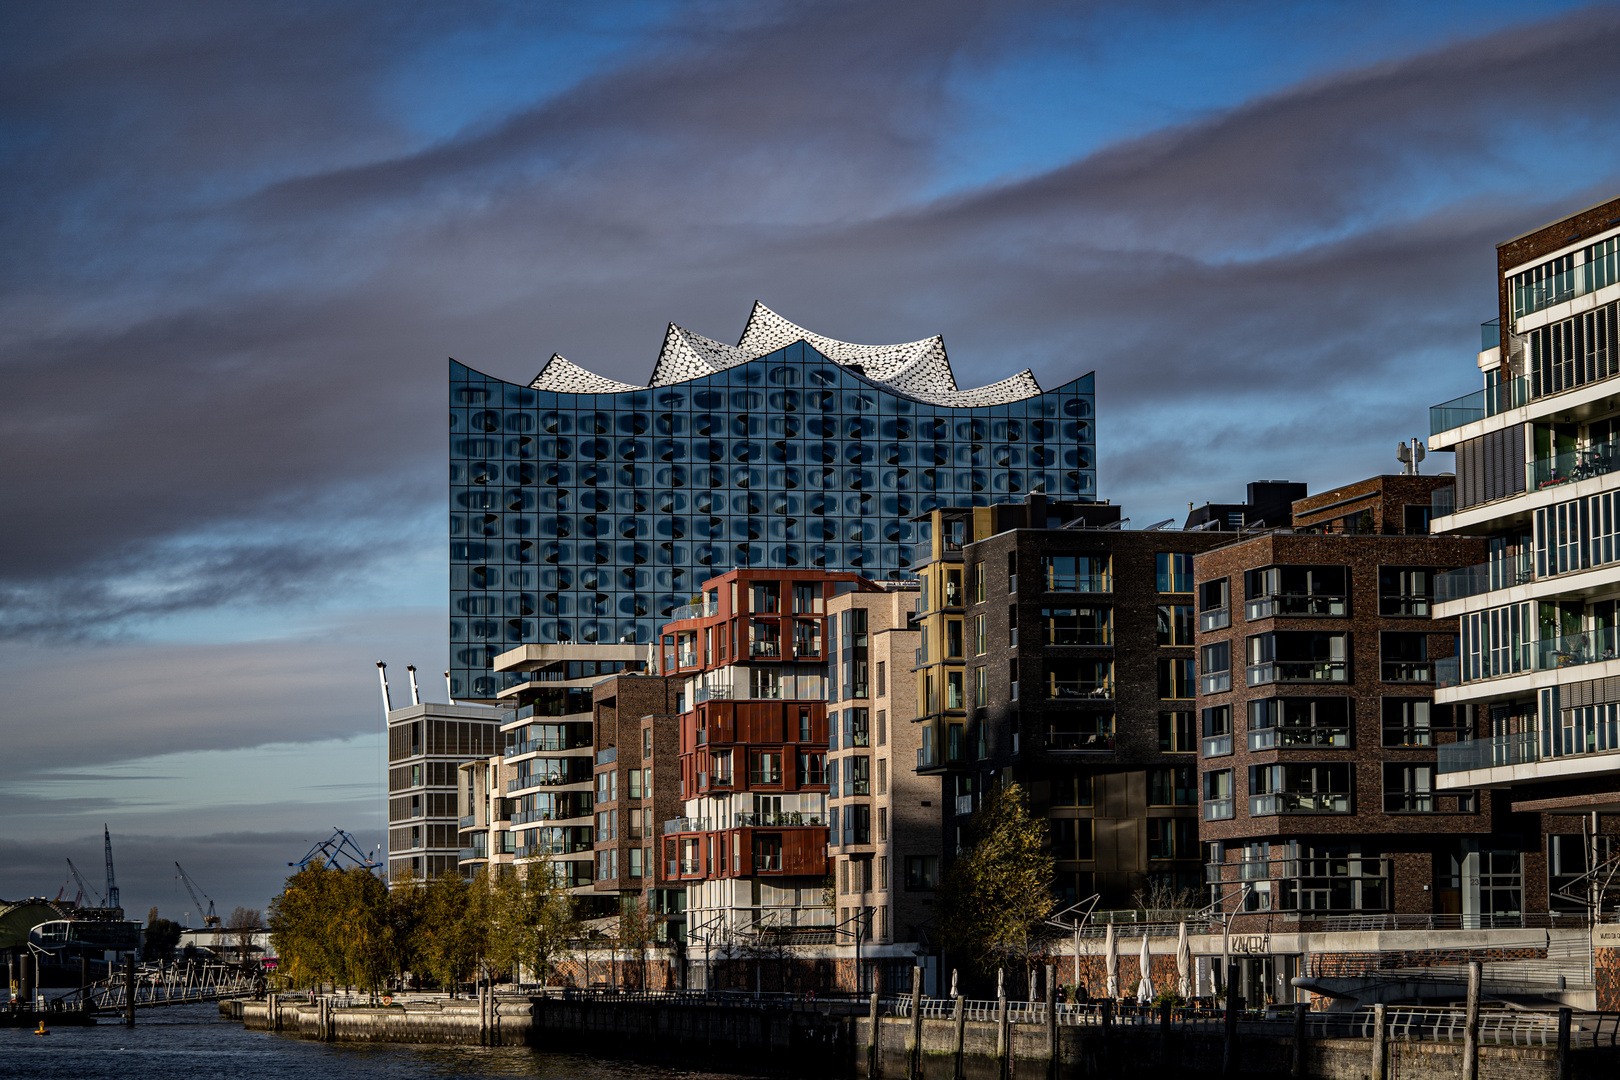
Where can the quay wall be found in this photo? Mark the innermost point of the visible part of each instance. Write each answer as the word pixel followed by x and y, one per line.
pixel 830 1040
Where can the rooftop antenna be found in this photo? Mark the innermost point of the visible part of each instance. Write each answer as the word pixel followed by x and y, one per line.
pixel 382 677
pixel 1409 457
pixel 449 695
pixel 416 695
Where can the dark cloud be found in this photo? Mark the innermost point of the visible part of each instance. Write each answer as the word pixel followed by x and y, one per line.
pixel 235 283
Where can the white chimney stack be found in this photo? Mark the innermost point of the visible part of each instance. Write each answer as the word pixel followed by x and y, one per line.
pixel 449 695
pixel 382 677
pixel 416 695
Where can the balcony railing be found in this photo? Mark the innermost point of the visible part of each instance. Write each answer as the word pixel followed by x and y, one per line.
pixel 779 819
pixel 1408 802
pixel 766 862
pixel 1573 466
pixel 1218 809
pixel 1486 577
pixel 1218 619
pixel 687 659
pixel 1286 738
pixel 1493 399
pixel 1298 802
pixel 1080 688
pixel 607 756
pixel 702 610
pixel 1216 682
pixel 1088 742
pixel 1329 671
pixel 1217 745
pixel 1080 583
pixel 711 693
pixel 1574 650
pixel 771 649
pixel 1519 748
pixel 544 780
pixel 1266 607
pixel 1408 671
pixel 467 822
pixel 550 745
pixel 1447 672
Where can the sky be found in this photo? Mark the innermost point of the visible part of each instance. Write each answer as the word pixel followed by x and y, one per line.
pixel 241 240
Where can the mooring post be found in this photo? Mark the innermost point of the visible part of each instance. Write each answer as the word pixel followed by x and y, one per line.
pixel 874 1046
pixel 84 982
pixel 1470 1069
pixel 1164 1031
pixel 1051 1023
pixel 914 1044
pixel 1003 1043
pixel 1229 1043
pixel 129 990
pixel 1378 1052
pixel 959 1017
pixel 1297 1068
pixel 1564 1016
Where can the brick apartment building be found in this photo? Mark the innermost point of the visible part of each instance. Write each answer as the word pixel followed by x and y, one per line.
pixel 1058 653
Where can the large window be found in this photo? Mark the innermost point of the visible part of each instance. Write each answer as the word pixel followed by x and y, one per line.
pixel 1175 624
pixel 1071 839
pixel 1173 786
pixel 1412 721
pixel 1405 657
pixel 1079 573
pixel 1216 661
pixel 1218 795
pixel 1295 590
pixel 1175 572
pixel 1177 733
pixel 1078 625
pixel 1092 732
pixel 1175 679
pixel 1298 656
pixel 1217 725
pixel 1406 591
pixel 1289 723
pixel 1212 605
pixel 1172 838
pixel 1408 789
pixel 764 767
pixel 1303 788
pixel 857 729
pixel 1080 679
pixel 922 872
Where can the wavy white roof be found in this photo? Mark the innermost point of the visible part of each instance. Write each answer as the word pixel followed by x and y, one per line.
pixel 917 369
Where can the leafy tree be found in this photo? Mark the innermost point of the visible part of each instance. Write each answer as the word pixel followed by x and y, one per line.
pixel 453 932
pixel 332 926
pixel 635 932
pixel 162 936
pixel 994 899
pixel 242 925
pixel 531 921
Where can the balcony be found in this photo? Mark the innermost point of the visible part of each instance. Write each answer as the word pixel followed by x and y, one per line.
pixel 1299 802
pixel 711 693
pixel 1083 742
pixel 768 862
pixel 771 650
pixel 1298 737
pixel 779 819
pixel 1080 583
pixel 1407 671
pixel 1217 745
pixel 704 610
pixel 608 756
pixel 1216 682
pixel 687 659
pixel 551 745
pixel 1069 689
pixel 1486 577
pixel 803 649
pixel 1519 748
pixel 1408 802
pixel 1574 466
pixel 1218 809
pixel 1447 672
pixel 1493 399
pixel 467 822
pixel 1218 619
pixel 1267 607
pixel 557 779
pixel 1320 671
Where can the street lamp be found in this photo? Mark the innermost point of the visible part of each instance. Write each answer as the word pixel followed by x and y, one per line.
pixel 699 932
pixel 860 926
pixel 1083 911
pixel 1242 893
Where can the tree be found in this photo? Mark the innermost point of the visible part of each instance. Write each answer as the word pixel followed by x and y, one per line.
pixel 332 926
pixel 452 934
pixel 1161 901
pixel 161 938
pixel 996 896
pixel 243 924
pixel 635 932
pixel 531 921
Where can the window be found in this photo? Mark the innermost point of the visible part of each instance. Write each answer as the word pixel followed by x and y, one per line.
pixel 1071 839
pixel 1218 795
pixel 883 726
pixel 1175 624
pixel 1216 660
pixel 1078 625
pixel 953 690
pixel 1079 679
pixel 636 862
pixel 1405 657
pixel 857 824
pixel 1172 786
pixel 1071 789
pixel 646 742
pixel 1078 573
pixel 922 872
pixel 1212 605
pixel 1408 789
pixel 635 784
pixel 1093 732
pixel 883 776
pixel 812 768
pixel 1217 724
pixel 1405 591
pixel 804 725
pixel 1175 678
pixel 767 851
pixel 953 588
pixel 1175 571
pixel 857 775
pixel 981 687
pixel 978 583
pixel 856 731
pixel 1177 733
pixel 882 678
pixel 883 874
pixel 883 824
pixel 806 598
pixel 1172 838
pixel 1411 721
pixel 765 597
pixel 979 645
pixel 1290 723
pixel 953 638
pixel 1305 788
pixel 1297 656
pixel 764 767
pixel 1295 590
pixel 830 770
pixel 806 637
pixel 834 837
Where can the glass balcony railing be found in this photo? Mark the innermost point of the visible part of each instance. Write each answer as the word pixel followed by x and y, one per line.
pixel 1498 750
pixel 1080 583
pixel 1553 289
pixel 1443 501
pixel 695 611
pixel 1486 577
pixel 1295 737
pixel 1218 619
pixel 1218 809
pixel 1079 688
pixel 1267 606
pixel 1298 671
pixel 1216 682
pixel 1299 802
pixel 1496 398
pixel 1490 334
pixel 1217 745
pixel 1408 671
pixel 1573 650
pixel 1583 464
pixel 1447 672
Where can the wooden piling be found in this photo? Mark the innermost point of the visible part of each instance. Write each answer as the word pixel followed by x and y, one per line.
pixel 1297 1065
pixel 959 1040
pixel 1564 1016
pixel 1003 1042
pixel 874 1052
pixel 1229 1042
pixel 129 990
pixel 1051 1024
pixel 1470 1062
pixel 1378 1049
pixel 914 1043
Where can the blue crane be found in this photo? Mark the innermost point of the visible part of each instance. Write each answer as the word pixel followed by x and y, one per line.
pixel 112 882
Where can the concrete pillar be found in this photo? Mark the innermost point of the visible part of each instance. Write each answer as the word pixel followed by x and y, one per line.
pixel 1378 1052
pixel 1470 1065
pixel 959 1016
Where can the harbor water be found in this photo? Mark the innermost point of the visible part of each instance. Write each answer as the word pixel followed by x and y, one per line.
pixel 192 1042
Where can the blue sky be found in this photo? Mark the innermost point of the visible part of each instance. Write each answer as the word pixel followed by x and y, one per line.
pixel 242 240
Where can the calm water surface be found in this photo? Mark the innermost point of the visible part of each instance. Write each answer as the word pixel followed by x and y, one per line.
pixel 193 1043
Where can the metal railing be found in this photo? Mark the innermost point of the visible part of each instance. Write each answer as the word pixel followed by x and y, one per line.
pixel 1533 920
pixel 1575 465
pixel 1299 802
pixel 1486 577
pixel 701 610
pixel 779 818
pixel 1217 619
pixel 1266 607
pixel 1493 399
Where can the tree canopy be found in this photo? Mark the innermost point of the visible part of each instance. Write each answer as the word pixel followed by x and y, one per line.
pixel 995 897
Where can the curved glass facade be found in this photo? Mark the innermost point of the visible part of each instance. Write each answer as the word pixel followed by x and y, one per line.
pixel 589 517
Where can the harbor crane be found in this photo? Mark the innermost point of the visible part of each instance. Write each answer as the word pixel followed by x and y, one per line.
pixel 210 919
pixel 112 882
pixel 84 888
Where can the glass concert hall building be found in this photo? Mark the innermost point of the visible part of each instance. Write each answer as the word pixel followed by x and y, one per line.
pixel 586 509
